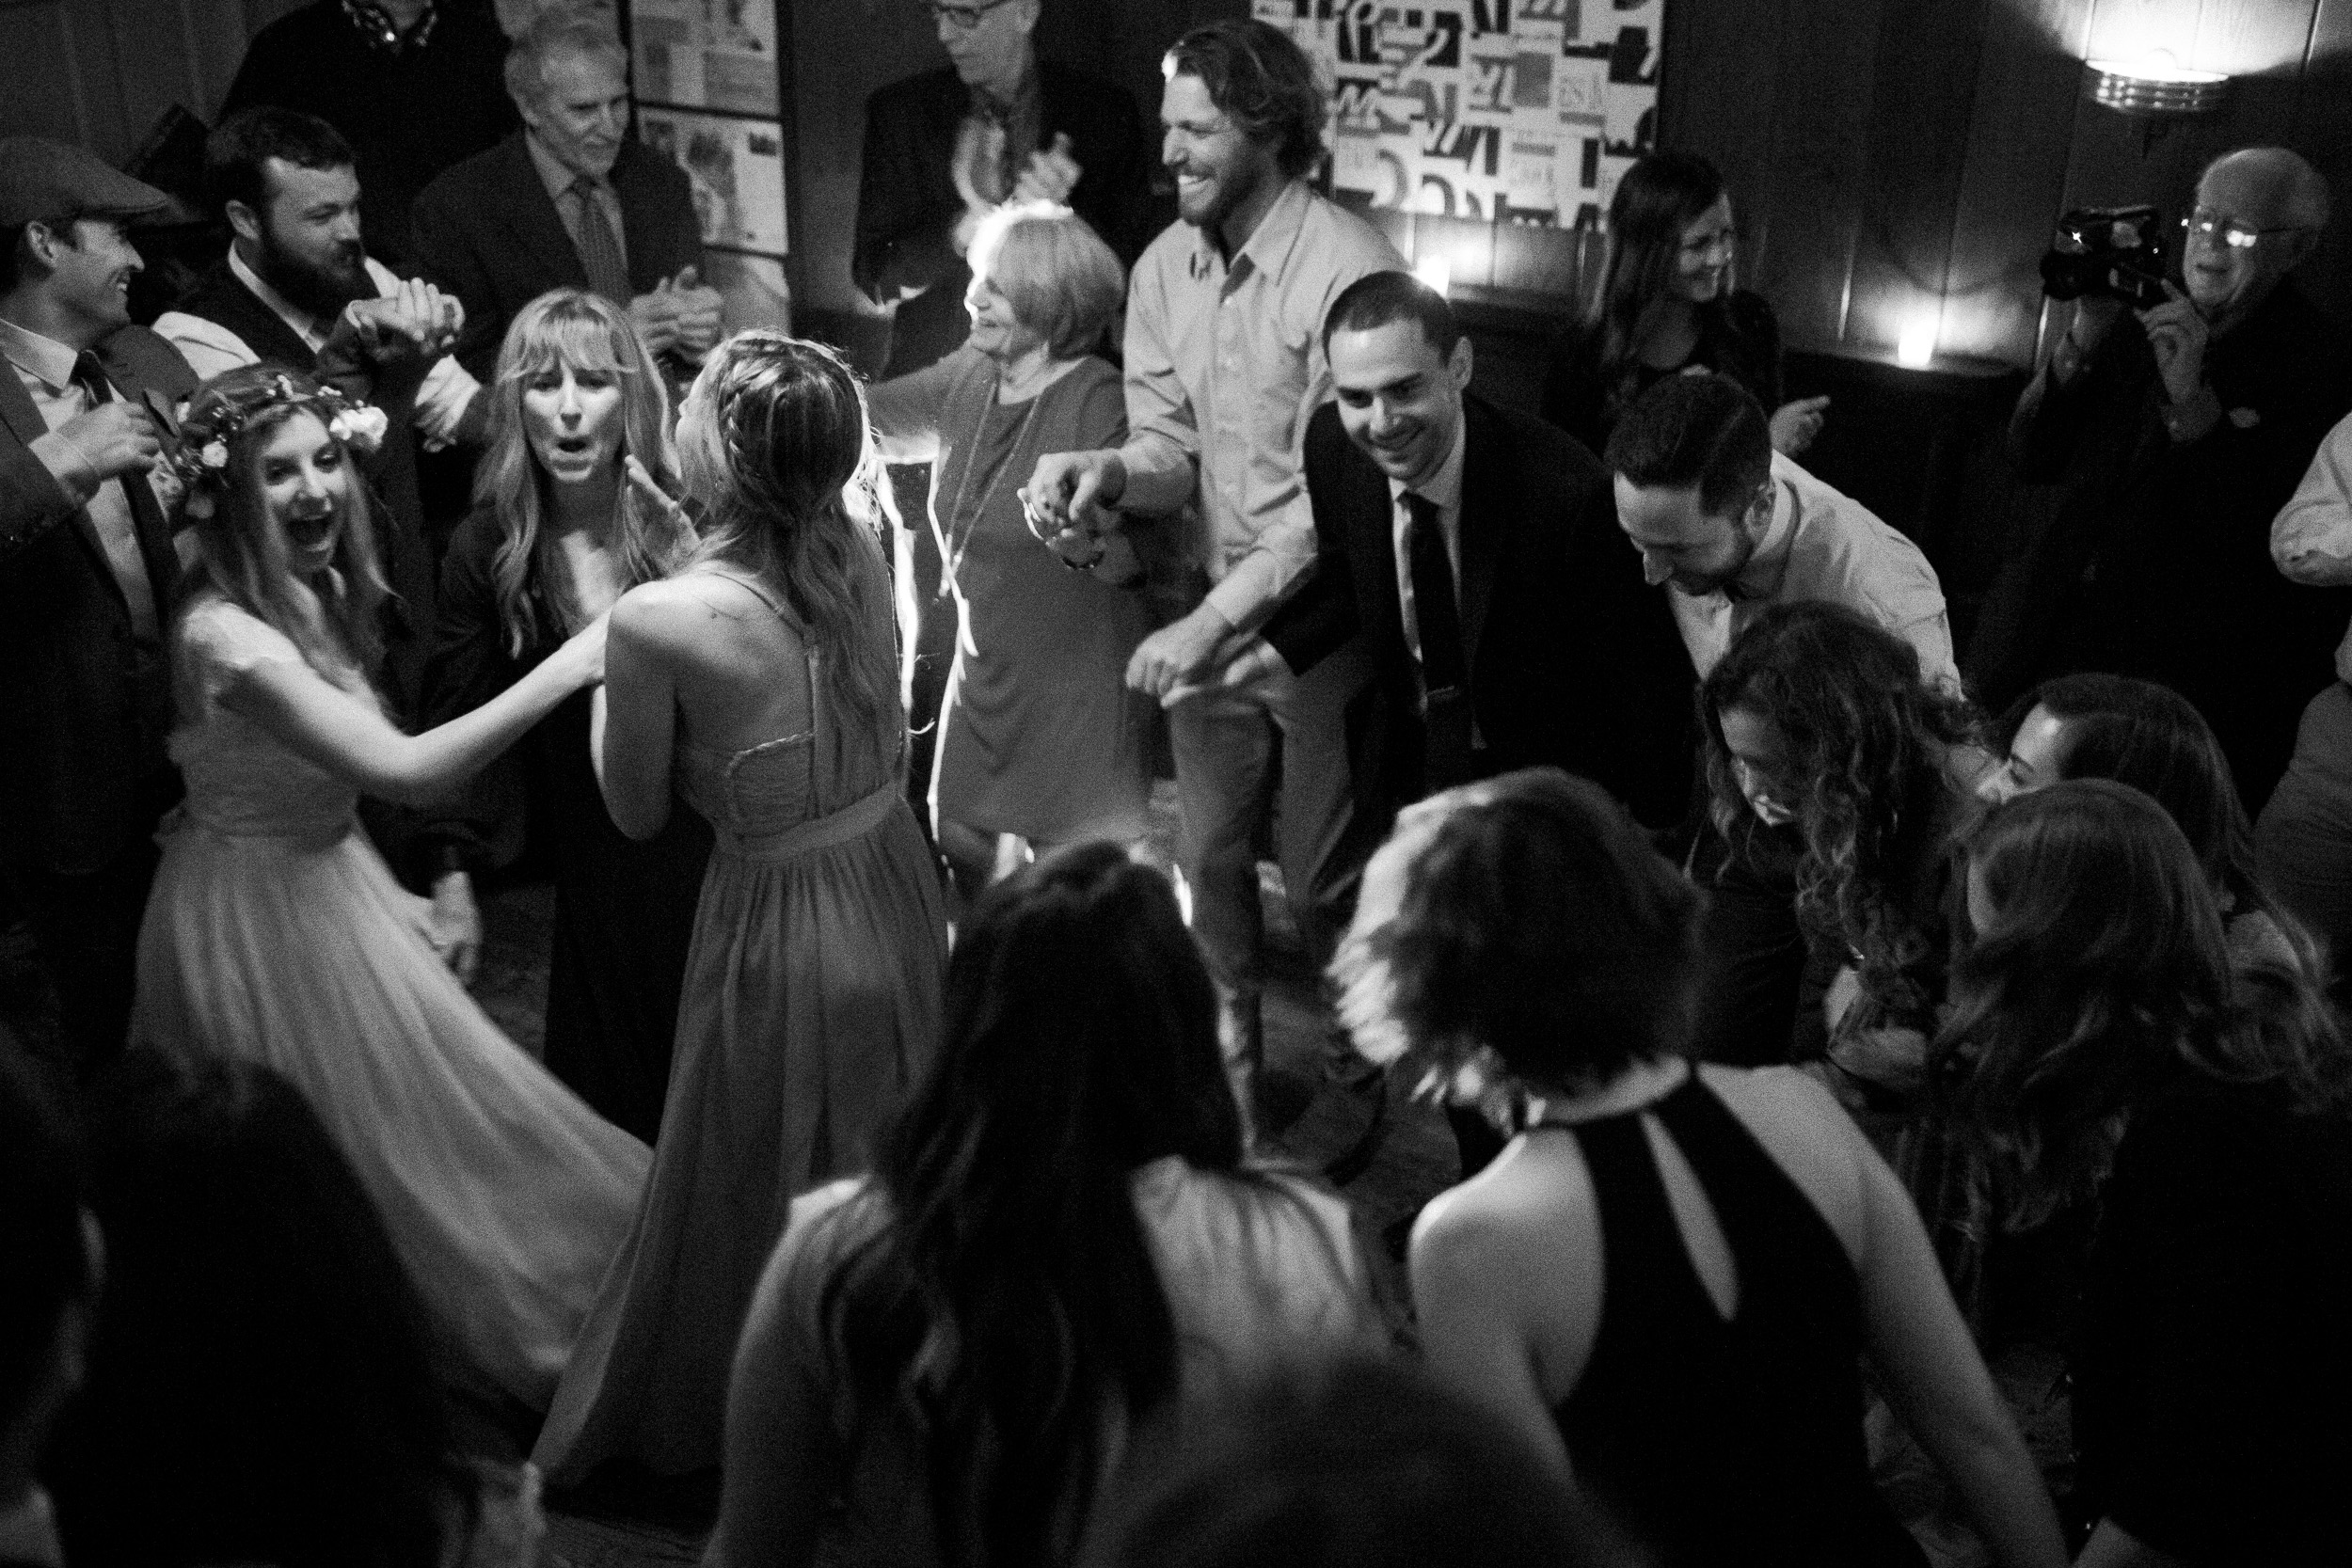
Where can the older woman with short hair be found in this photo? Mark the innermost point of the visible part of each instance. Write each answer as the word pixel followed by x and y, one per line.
pixel 1043 742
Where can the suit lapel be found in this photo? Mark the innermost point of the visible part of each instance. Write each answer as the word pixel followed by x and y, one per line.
pixel 532 217
pixel 26 423
pixel 1372 511
pixel 1484 518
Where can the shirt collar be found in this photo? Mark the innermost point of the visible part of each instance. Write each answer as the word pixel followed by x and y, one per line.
pixel 1270 245
pixel 304 323
pixel 1443 488
pixel 46 358
pixel 1761 576
pixel 554 172
pixel 1009 110
pixel 28 1533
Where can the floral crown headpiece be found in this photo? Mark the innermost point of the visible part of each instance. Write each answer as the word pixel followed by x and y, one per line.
pixel 202 457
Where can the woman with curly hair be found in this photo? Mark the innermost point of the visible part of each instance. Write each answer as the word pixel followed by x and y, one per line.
pixel 1061 1245
pixel 274 933
pixel 758 684
pixel 1820 736
pixel 559 531
pixel 1671 1278
pixel 2103 1053
pixel 2150 736
pixel 1668 303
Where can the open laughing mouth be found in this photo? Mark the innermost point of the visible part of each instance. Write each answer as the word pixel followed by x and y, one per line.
pixel 310 533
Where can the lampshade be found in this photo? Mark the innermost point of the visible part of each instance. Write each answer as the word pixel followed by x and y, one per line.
pixel 2154 86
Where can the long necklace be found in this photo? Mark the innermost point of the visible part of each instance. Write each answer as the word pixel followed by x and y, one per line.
pixel 958 544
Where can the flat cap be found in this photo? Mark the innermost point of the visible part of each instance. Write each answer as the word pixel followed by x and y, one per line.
pixel 41 179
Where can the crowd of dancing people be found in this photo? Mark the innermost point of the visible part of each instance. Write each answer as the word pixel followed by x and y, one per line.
pixel 1838 1071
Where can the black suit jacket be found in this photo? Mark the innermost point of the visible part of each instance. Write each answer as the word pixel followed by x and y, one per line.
pixel 82 717
pixel 489 233
pixel 907 204
pixel 1574 661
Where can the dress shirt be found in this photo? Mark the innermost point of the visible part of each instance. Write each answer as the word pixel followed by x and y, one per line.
pixel 28 1533
pixel 1224 367
pixel 211 348
pixel 558 179
pixel 1444 490
pixel 1824 546
pixel 2311 538
pixel 45 367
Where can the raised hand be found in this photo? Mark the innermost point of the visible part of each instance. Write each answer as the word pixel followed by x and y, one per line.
pixel 1050 175
pixel 655 316
pixel 696 318
pixel 649 491
pixel 415 321
pixel 1795 424
pixel 2178 334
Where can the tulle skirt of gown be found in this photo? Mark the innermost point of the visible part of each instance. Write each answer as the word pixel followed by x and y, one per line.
pixel 505 1196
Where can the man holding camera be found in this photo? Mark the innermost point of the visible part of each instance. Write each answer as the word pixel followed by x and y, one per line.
pixel 2180 429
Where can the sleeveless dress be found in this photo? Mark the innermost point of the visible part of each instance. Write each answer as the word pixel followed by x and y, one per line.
pixel 810 1008
pixel 276 934
pixel 1718 1442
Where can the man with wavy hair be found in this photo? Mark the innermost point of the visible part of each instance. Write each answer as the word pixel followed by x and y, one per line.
pixel 1224 366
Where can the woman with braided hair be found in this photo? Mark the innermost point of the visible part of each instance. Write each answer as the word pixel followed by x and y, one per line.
pixel 759 683
pixel 276 934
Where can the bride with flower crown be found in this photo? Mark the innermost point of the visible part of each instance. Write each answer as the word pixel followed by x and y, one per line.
pixel 274 931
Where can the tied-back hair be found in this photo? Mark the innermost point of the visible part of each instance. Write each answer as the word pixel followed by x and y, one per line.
pixel 244 554
pixel 262 1386
pixel 572 327
pixel 1536 920
pixel 1866 740
pixel 1659 197
pixel 796 499
pixel 1009 1306
pixel 2102 978
pixel 2153 738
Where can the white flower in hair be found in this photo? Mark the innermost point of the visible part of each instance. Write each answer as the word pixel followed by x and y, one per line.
pixel 214 455
pixel 362 427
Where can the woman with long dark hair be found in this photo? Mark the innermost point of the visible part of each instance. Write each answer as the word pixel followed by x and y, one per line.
pixel 758 684
pixel 276 934
pixel 2105 1052
pixel 1669 1280
pixel 1823 743
pixel 262 1385
pixel 1668 303
pixel 559 533
pixel 1060 1242
pixel 2150 736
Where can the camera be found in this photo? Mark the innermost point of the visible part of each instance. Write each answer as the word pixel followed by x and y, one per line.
pixel 2113 251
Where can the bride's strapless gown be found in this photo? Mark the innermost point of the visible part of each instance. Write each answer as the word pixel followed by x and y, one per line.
pixel 810 1008
pixel 275 933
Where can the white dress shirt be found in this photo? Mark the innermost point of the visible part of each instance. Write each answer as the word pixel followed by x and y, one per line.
pixel 211 348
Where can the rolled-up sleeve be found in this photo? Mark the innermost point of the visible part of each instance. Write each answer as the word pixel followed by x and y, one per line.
pixel 2311 540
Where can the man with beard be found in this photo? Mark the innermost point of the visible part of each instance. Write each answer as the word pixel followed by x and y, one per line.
pixel 296 286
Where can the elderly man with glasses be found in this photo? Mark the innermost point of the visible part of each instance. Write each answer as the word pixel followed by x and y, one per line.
pixel 994 124
pixel 2179 431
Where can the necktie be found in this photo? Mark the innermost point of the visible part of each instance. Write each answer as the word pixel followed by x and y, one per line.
pixel 1444 670
pixel 599 252
pixel 147 517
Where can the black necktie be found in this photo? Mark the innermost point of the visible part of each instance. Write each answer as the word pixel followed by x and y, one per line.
pixel 1444 670
pixel 146 516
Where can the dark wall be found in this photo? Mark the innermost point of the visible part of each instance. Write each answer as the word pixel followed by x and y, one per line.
pixel 1887 154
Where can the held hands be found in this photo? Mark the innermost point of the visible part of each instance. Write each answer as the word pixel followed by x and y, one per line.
pixel 415 323
pixel 1796 423
pixel 1073 490
pixel 1179 656
pixel 1242 660
pixel 2178 334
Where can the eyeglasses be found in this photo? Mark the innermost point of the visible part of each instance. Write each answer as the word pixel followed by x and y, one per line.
pixel 2205 224
pixel 965 17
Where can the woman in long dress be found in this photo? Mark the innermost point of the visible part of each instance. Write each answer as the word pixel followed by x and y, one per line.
pixel 556 536
pixel 274 933
pixel 1042 742
pixel 760 685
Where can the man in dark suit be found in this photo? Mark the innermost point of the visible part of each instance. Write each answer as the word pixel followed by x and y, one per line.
pixel 88 574
pixel 568 201
pixel 994 124
pixel 1476 551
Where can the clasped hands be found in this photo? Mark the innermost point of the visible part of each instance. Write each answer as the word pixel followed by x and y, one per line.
pixel 1049 175
pixel 681 313
pixel 1068 503
pixel 415 323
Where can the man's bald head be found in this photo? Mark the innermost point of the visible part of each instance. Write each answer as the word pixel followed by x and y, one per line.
pixel 2260 211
